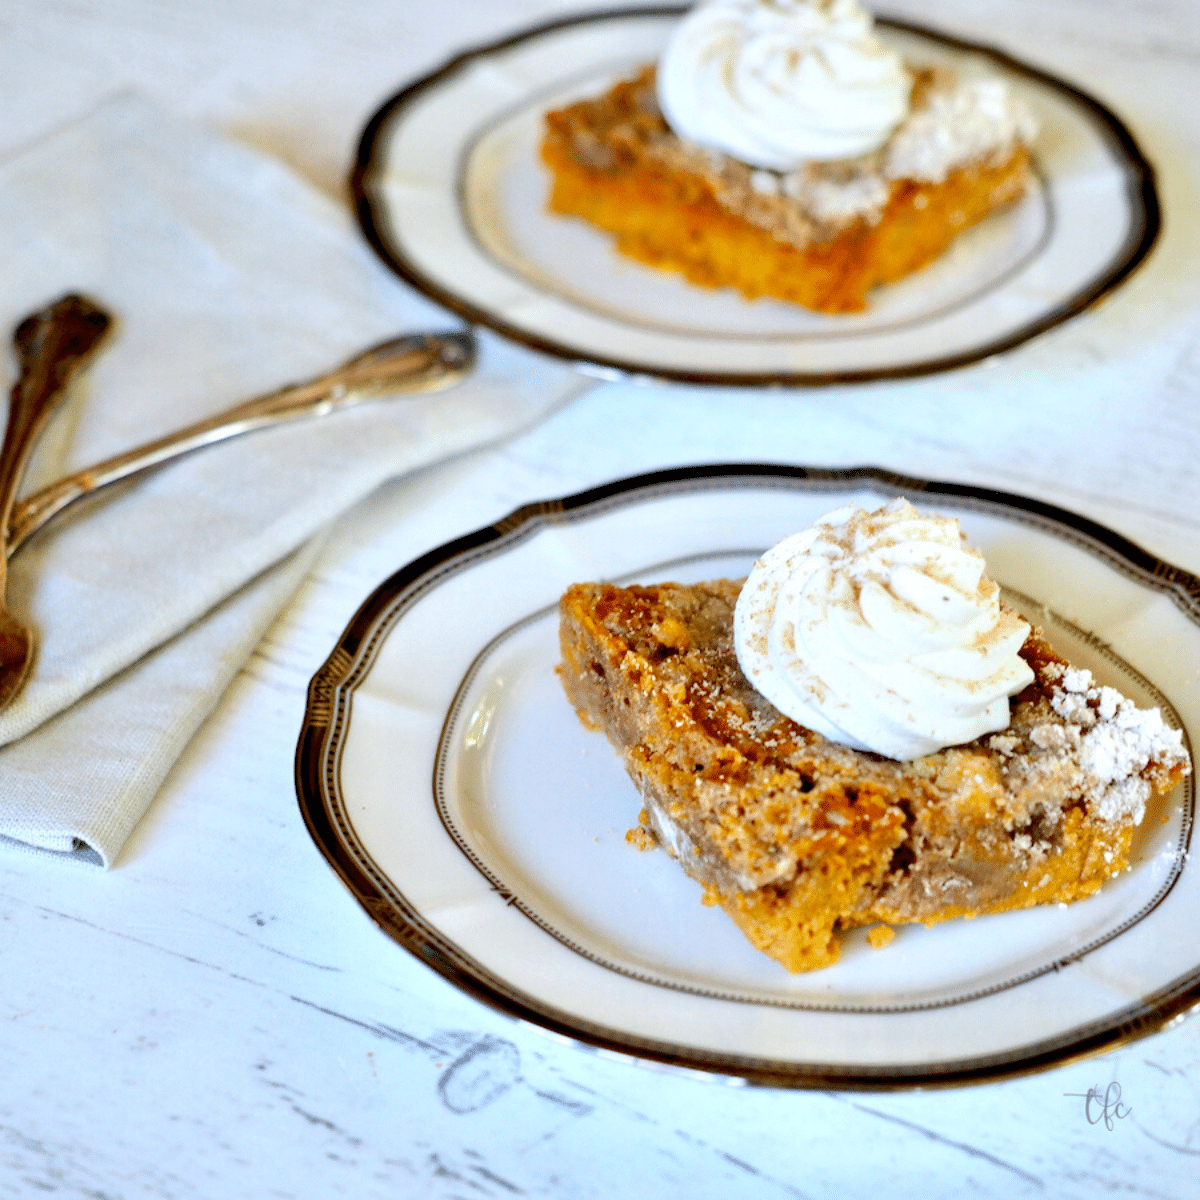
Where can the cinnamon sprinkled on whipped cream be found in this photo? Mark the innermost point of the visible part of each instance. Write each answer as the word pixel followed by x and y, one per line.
pixel 778 83
pixel 881 631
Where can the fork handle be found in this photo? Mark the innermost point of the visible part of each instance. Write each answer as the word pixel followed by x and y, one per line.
pixel 51 346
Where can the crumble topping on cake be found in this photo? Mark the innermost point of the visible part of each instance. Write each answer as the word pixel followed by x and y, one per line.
pixel 951 125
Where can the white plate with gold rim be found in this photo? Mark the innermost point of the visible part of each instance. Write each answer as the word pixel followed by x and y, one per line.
pixel 449 783
pixel 451 193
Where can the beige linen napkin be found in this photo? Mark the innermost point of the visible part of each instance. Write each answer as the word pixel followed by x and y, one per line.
pixel 229 277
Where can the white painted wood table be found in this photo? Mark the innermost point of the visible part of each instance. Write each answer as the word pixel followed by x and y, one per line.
pixel 216 1017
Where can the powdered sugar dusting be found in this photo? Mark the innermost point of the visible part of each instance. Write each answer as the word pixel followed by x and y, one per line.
pixel 1115 742
pixel 836 201
pixel 954 123
pixel 969 121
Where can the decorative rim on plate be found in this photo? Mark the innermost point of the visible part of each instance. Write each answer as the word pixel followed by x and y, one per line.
pixel 333 810
pixel 523 306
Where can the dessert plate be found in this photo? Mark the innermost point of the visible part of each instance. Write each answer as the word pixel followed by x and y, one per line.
pixel 450 785
pixel 451 193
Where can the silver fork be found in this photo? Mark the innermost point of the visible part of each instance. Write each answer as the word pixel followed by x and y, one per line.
pixel 414 363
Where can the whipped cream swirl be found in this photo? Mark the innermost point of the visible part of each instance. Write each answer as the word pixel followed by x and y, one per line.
pixel 881 631
pixel 777 83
